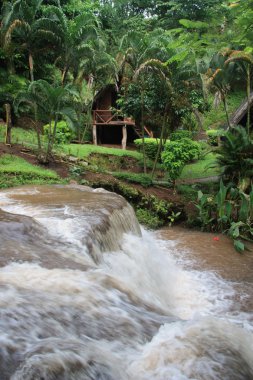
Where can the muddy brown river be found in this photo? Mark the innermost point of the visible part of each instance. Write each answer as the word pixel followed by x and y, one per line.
pixel 88 294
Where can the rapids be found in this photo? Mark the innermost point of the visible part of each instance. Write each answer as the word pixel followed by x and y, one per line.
pixel 86 294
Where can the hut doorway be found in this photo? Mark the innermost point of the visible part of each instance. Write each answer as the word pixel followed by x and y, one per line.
pixel 113 134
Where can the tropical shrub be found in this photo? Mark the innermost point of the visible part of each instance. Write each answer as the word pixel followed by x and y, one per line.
pixel 236 157
pixel 214 135
pixel 148 218
pixel 64 134
pixel 230 210
pixel 177 153
pixel 180 134
pixel 151 146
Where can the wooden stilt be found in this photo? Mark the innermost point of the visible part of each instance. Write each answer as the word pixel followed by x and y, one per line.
pixel 94 132
pixel 124 136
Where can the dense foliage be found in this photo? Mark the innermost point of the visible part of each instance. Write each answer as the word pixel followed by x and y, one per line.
pixel 162 56
pixel 151 146
pixel 170 62
pixel 64 134
pixel 229 210
pixel 177 153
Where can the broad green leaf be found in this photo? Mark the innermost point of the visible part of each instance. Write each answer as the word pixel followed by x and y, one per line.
pixel 200 194
pixel 245 208
pixel 239 246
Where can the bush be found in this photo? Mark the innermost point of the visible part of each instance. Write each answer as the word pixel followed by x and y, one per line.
pixel 229 210
pixel 63 133
pixel 177 153
pixel 148 218
pixel 179 135
pixel 151 146
pixel 214 135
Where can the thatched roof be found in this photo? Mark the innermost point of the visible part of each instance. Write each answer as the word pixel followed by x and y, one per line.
pixel 241 111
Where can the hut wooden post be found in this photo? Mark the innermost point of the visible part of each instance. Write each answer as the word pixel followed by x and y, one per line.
pixel 94 132
pixel 8 124
pixel 124 134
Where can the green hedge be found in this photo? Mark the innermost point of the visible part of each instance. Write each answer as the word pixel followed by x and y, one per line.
pixel 214 135
pixel 151 146
pixel 181 134
pixel 63 133
pixel 177 153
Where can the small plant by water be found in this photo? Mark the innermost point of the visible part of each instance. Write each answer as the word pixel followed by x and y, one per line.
pixel 229 211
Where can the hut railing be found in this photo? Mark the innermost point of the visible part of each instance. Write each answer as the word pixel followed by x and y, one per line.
pixel 104 117
pixel 109 117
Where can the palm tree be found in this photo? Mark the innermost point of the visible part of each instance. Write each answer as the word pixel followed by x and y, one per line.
pixel 51 104
pixel 78 36
pixel 220 76
pixel 27 31
pixel 245 61
pixel 97 67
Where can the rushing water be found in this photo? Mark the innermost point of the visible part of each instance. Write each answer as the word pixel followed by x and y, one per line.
pixel 86 295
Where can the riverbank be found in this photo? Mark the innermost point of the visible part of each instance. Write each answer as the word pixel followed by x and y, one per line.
pixel 155 205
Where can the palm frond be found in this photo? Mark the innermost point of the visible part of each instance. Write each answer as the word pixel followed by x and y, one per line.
pixel 16 24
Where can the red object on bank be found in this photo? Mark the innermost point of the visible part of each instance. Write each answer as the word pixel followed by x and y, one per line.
pixel 216 238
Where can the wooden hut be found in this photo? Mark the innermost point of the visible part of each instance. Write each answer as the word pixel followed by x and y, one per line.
pixel 109 127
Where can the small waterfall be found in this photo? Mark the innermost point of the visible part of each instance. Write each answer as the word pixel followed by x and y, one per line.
pixel 86 295
pixel 92 221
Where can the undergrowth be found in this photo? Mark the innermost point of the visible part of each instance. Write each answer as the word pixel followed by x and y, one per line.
pixel 142 179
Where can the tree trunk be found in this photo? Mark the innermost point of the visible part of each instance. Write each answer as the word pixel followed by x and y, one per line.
pixel 94 133
pixel 31 67
pixel 38 136
pixel 248 98
pixel 124 137
pixel 64 75
pixel 51 137
pixel 10 66
pixel 198 118
pixel 224 100
pixel 142 132
pixel 160 143
pixel 8 124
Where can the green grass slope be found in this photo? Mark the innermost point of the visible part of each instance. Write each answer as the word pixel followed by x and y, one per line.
pixel 15 171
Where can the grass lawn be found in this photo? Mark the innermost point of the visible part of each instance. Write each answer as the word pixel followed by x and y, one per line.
pixel 21 136
pixel 83 151
pixel 200 168
pixel 15 171
pixel 28 138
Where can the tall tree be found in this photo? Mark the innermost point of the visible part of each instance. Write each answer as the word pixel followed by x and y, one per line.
pixel 245 62
pixel 220 77
pixel 29 31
